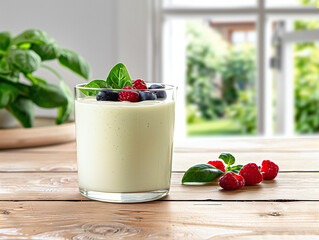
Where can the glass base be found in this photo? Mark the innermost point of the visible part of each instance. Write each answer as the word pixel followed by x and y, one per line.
pixel 124 197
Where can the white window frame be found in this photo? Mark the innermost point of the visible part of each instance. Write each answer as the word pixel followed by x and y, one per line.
pixel 161 13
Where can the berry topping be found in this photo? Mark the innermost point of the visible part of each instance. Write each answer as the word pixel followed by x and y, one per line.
pixel 217 164
pixel 269 169
pixel 250 172
pixel 130 96
pixel 139 84
pixel 107 95
pixel 147 96
pixel 231 181
pixel 159 94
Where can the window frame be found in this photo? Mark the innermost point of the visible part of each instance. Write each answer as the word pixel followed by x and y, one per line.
pixel 161 12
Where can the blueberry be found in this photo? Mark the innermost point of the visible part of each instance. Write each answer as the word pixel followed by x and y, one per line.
pixel 147 96
pixel 107 95
pixel 160 94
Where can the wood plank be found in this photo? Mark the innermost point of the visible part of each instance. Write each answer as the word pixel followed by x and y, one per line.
pixel 288 161
pixel 63 186
pixel 159 220
pixel 253 144
pixel 66 161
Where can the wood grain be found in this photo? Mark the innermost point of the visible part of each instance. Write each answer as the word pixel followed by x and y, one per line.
pixel 159 220
pixel 66 161
pixel 64 186
pixel 44 134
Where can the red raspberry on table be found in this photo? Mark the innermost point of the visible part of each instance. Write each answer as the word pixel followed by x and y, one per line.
pixel 231 181
pixel 250 172
pixel 217 164
pixel 131 96
pixel 139 84
pixel 269 169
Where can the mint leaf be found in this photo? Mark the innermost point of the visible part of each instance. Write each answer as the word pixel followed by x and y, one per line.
pixel 236 168
pixel 118 77
pixel 93 84
pixel 203 173
pixel 227 158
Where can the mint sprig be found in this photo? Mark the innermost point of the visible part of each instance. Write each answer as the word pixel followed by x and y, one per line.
pixel 117 79
pixel 229 160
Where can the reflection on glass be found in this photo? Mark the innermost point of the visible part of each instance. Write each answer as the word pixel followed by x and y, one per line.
pixel 220 93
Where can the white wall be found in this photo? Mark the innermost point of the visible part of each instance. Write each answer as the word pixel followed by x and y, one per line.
pixel 87 27
pixel 104 32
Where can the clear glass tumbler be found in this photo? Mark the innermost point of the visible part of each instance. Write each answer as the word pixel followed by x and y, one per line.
pixel 124 149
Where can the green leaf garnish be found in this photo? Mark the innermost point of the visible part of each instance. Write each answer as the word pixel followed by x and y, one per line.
pixel 93 84
pixel 236 168
pixel 228 159
pixel 201 173
pixel 118 77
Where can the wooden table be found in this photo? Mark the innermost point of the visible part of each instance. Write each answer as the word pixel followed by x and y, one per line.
pixel 40 199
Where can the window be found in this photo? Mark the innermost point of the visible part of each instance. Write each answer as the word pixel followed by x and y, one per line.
pixel 261 97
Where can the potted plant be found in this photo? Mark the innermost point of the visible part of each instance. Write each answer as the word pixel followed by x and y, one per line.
pixel 20 57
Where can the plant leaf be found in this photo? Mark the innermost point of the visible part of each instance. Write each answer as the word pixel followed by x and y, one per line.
pixel 236 168
pixel 227 158
pixel 23 110
pixel 48 51
pixel 24 59
pixel 74 62
pixel 8 93
pixel 201 173
pixel 65 112
pixel 48 95
pixel 5 40
pixel 118 77
pixel 93 84
pixel 33 36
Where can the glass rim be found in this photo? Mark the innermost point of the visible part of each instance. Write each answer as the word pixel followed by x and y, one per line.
pixel 167 87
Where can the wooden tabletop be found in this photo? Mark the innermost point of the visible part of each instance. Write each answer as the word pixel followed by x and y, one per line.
pixel 39 197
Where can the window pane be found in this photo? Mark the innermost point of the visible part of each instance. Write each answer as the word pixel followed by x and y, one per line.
pixel 291 3
pixel 211 3
pixel 220 78
pixel 306 81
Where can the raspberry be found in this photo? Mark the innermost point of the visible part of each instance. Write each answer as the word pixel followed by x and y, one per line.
pixel 128 95
pixel 139 84
pixel 231 181
pixel 269 169
pixel 217 164
pixel 250 172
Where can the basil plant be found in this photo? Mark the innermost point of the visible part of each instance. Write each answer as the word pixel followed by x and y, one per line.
pixel 20 57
